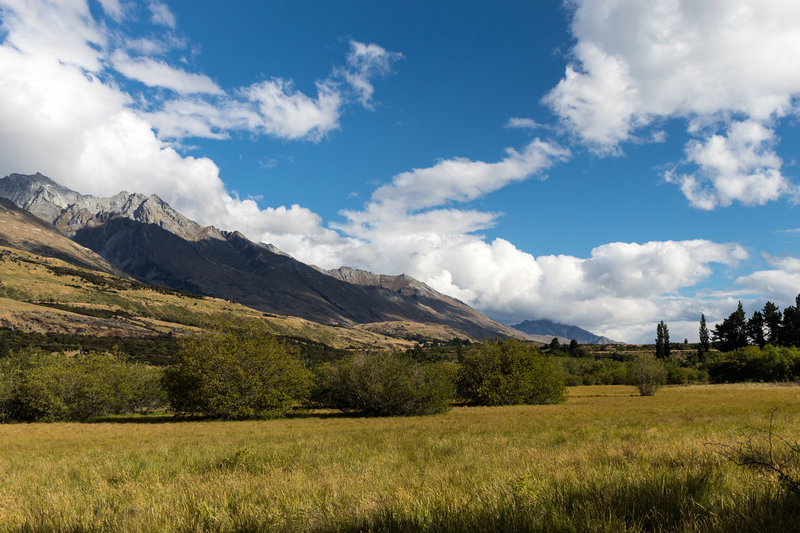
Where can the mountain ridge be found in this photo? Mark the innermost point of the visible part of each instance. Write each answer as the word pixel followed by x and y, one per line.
pixel 562 331
pixel 151 242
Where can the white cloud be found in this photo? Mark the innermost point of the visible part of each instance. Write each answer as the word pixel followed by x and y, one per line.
pixel 524 123
pixel 161 14
pixel 290 114
pixel 155 73
pixel 462 180
pixel 741 166
pixel 113 9
pixel 716 61
pixel 779 284
pixel 273 107
pixel 364 62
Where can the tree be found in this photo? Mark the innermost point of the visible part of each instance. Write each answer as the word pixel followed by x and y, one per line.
pixel 509 372
pixel 772 322
pixel 555 344
pixel 646 373
pixel 573 348
pixel 236 372
pixel 702 350
pixel 755 329
pixel 790 326
pixel 662 340
pixel 386 384
pixel 732 332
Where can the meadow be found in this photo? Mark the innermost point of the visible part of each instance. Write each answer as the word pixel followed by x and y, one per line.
pixel 606 460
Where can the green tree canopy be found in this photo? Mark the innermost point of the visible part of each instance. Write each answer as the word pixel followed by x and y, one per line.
pixel 386 384
pixel 508 372
pixel 731 333
pixel 236 371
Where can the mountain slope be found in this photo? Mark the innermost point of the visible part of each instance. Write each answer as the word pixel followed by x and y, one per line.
pixel 148 240
pixel 563 331
pixel 458 314
pixel 21 230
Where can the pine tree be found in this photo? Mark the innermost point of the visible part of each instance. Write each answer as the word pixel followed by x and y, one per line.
pixel 732 332
pixel 755 329
pixel 772 321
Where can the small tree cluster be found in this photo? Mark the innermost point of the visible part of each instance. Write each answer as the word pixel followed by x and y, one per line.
pixel 35 385
pixel 236 371
pixel 662 341
pixel 385 384
pixel 509 372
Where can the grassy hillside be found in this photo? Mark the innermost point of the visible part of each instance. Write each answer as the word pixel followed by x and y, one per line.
pixel 46 295
pixel 607 460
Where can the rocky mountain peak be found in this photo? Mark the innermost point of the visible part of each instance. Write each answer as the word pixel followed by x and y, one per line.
pixel 71 211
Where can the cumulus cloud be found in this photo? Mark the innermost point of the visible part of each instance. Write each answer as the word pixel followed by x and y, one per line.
pixel 740 166
pixel 780 284
pixel 636 64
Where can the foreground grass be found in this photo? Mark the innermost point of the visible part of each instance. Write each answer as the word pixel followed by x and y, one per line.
pixel 607 460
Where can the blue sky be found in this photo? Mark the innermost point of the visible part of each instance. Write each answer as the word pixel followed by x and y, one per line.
pixel 605 164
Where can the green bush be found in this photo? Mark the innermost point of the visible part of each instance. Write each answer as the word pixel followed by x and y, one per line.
pixel 646 373
pixel 509 372
pixel 35 385
pixel 386 384
pixel 770 363
pixel 236 372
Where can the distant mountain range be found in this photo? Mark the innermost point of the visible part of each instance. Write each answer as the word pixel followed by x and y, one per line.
pixel 144 238
pixel 563 332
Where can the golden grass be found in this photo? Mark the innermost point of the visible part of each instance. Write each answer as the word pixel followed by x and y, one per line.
pixel 607 460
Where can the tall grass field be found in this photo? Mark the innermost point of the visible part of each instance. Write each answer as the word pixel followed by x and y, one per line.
pixel 606 460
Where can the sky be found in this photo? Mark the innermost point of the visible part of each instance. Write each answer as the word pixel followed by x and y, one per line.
pixel 603 163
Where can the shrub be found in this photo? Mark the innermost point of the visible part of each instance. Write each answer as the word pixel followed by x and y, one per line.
pixel 35 385
pixel 646 373
pixel 752 363
pixel 386 384
pixel 509 372
pixel 236 372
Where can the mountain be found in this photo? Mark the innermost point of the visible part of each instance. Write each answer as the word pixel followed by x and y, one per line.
pixel 50 284
pixel 564 332
pixel 21 230
pixel 146 239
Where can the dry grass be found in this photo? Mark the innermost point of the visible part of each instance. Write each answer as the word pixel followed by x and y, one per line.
pixel 25 278
pixel 607 460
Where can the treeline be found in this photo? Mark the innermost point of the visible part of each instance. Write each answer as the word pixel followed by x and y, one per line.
pixel 39 386
pixel 237 371
pixel 769 325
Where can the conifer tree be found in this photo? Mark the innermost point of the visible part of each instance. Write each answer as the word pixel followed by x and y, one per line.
pixel 702 350
pixel 662 340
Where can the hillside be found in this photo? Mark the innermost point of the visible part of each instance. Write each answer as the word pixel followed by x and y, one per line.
pixel 146 239
pixel 48 295
pixel 50 284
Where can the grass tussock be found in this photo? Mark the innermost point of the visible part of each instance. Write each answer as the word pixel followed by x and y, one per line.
pixel 607 460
